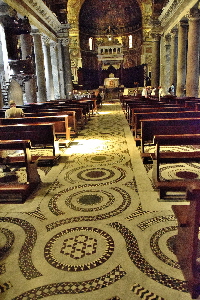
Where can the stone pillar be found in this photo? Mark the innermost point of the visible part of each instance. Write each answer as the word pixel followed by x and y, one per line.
pixel 55 69
pixel 173 57
pixel 63 36
pixel 39 61
pixel 48 68
pixel 155 69
pixel 61 71
pixel 181 62
pixel 192 79
pixel 166 82
pixel 67 68
pixel 30 86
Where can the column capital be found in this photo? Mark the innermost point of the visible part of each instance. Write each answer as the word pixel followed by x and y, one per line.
pixel 46 40
pixel 35 31
pixel 174 32
pixel 156 36
pixel 167 40
pixel 64 41
pixel 194 14
pixel 183 23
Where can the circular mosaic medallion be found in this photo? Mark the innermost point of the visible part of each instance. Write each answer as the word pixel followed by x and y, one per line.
pixel 179 171
pixel 98 175
pixel 95 174
pixel 90 200
pixel 77 249
pixel 104 159
pixel 162 238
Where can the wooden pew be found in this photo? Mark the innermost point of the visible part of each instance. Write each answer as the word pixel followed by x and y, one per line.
pixel 60 123
pixel 155 110
pixel 160 157
pixel 187 242
pixel 18 192
pixel 136 125
pixel 75 115
pixel 155 107
pixel 152 127
pixel 72 117
pixel 40 135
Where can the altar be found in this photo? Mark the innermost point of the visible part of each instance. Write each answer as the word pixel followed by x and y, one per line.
pixel 111 82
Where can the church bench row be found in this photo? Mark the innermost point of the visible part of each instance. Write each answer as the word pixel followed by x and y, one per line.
pixel 79 117
pixel 154 109
pixel 172 156
pixel 152 127
pixel 18 192
pixel 60 123
pixel 131 107
pixel 138 117
pixel 41 135
pixel 158 107
pixel 72 121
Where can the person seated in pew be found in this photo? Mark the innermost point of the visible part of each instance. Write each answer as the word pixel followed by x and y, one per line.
pixel 13 111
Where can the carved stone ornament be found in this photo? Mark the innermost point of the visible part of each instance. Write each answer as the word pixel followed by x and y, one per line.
pixel 40 9
pixel 194 14
pixel 65 42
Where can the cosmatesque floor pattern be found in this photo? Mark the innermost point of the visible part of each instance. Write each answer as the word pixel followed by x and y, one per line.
pixel 94 229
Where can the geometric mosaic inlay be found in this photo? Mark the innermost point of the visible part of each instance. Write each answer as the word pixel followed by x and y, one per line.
pixel 126 201
pixel 79 246
pixel 143 265
pixel 64 288
pixel 25 256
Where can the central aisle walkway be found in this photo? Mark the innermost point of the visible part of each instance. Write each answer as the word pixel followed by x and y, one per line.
pixel 94 230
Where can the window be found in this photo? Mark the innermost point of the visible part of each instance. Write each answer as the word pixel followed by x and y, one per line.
pixel 91 43
pixel 130 41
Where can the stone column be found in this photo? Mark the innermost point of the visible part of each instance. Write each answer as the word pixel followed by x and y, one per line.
pixel 39 61
pixel 67 68
pixel 55 69
pixel 173 56
pixel 30 85
pixel 181 62
pixel 166 83
pixel 155 69
pixel 48 68
pixel 192 79
pixel 63 36
pixel 61 71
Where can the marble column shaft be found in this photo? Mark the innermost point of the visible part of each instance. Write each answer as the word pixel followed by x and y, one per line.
pixel 39 60
pixel 48 69
pixel 30 86
pixel 192 79
pixel 61 70
pixel 173 57
pixel 67 68
pixel 181 62
pixel 166 83
pixel 55 69
pixel 155 69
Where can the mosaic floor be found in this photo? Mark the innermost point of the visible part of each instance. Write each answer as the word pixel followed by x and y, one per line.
pixel 94 229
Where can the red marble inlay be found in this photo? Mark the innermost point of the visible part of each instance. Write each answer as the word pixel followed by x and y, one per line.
pixel 95 174
pixel 186 175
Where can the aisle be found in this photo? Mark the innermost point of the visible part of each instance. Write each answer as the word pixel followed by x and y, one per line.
pixel 94 229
